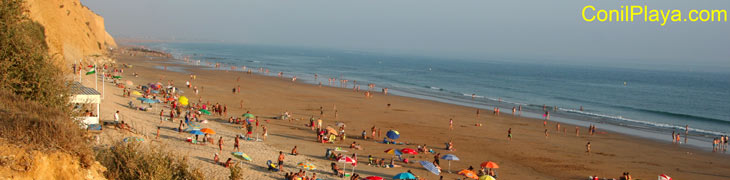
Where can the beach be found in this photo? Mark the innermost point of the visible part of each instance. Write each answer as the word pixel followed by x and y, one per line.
pixel 529 155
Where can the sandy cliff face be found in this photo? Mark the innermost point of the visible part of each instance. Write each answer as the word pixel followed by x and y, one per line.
pixel 73 31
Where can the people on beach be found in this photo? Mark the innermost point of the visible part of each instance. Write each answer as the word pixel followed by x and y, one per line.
pixel 264 133
pixel 220 144
pixel 294 151
pixel 588 147
pixel 280 160
pixel 509 134
pixel 451 124
pixel 236 143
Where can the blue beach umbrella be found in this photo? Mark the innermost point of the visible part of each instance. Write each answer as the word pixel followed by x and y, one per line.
pixel 393 134
pixel 197 132
pixel 450 157
pixel 404 175
pixel 150 101
pixel 430 167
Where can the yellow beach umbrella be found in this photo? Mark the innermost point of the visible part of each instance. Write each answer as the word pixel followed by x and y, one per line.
pixel 136 93
pixel 183 100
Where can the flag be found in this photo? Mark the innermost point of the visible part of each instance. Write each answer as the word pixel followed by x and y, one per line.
pixel 92 71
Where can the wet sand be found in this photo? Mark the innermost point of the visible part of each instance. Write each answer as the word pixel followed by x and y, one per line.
pixel 530 155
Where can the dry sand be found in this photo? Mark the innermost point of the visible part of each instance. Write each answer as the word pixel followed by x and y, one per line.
pixel 530 155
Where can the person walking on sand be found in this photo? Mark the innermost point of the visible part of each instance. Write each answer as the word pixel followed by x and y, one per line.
pixel 451 124
pixel 235 143
pixel 116 117
pixel 577 130
pixel 220 144
pixel 588 147
pixel 264 133
pixel 477 113
pixel 509 134
pixel 373 131
pixel 158 133
pixel 281 161
pixel 546 134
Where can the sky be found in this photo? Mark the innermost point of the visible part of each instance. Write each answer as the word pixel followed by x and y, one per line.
pixel 540 31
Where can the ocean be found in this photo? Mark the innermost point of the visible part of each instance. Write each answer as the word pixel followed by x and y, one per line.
pixel 648 103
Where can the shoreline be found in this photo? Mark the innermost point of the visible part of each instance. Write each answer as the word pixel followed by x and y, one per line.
pixel 699 142
pixel 529 156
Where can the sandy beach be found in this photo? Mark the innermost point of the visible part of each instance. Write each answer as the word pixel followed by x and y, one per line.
pixel 529 155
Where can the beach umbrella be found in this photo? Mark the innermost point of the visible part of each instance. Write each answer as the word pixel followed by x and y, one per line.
pixel 193 125
pixel 393 134
pixel 307 165
pixel 197 132
pixel 241 155
pixel 204 111
pixel 183 100
pixel 486 177
pixel 136 93
pixel 149 101
pixel 155 92
pixel 430 167
pixel 248 115
pixel 394 152
pixel 207 131
pixel 332 130
pixel 133 139
pixel 141 98
pixel 409 151
pixel 490 164
pixel 450 157
pixel 117 77
pixel 468 173
pixel 339 124
pixel 664 177
pixel 345 159
pixel 404 175
pixel 374 178
pixel 129 82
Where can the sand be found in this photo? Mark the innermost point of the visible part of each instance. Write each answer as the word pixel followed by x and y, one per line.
pixel 530 155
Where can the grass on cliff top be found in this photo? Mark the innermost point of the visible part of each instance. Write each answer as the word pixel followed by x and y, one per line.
pixel 132 161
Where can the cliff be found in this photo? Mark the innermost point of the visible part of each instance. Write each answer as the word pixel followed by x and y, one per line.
pixel 73 31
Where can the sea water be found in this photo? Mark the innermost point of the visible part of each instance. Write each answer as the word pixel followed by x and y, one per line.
pixel 643 100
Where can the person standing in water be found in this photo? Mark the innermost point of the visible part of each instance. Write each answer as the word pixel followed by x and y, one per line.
pixel 686 133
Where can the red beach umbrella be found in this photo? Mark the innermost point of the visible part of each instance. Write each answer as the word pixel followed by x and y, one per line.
pixel 374 178
pixel 408 151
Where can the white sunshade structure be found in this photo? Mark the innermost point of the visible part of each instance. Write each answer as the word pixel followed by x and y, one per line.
pixel 85 95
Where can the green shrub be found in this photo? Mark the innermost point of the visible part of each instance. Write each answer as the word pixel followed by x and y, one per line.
pixel 131 161
pixel 27 70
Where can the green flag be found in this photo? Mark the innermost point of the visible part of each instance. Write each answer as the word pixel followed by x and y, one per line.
pixel 92 71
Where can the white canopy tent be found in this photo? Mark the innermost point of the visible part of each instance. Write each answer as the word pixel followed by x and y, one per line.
pixel 84 95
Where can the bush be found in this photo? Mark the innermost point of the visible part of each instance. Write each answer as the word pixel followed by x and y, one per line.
pixel 27 70
pixel 34 109
pixel 131 161
pixel 236 172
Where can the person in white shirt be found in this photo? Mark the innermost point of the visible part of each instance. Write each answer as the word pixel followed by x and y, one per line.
pixel 116 117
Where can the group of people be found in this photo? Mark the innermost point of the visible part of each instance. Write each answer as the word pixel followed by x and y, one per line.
pixel 720 143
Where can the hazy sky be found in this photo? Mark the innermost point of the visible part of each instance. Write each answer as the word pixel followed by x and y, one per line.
pixel 516 30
